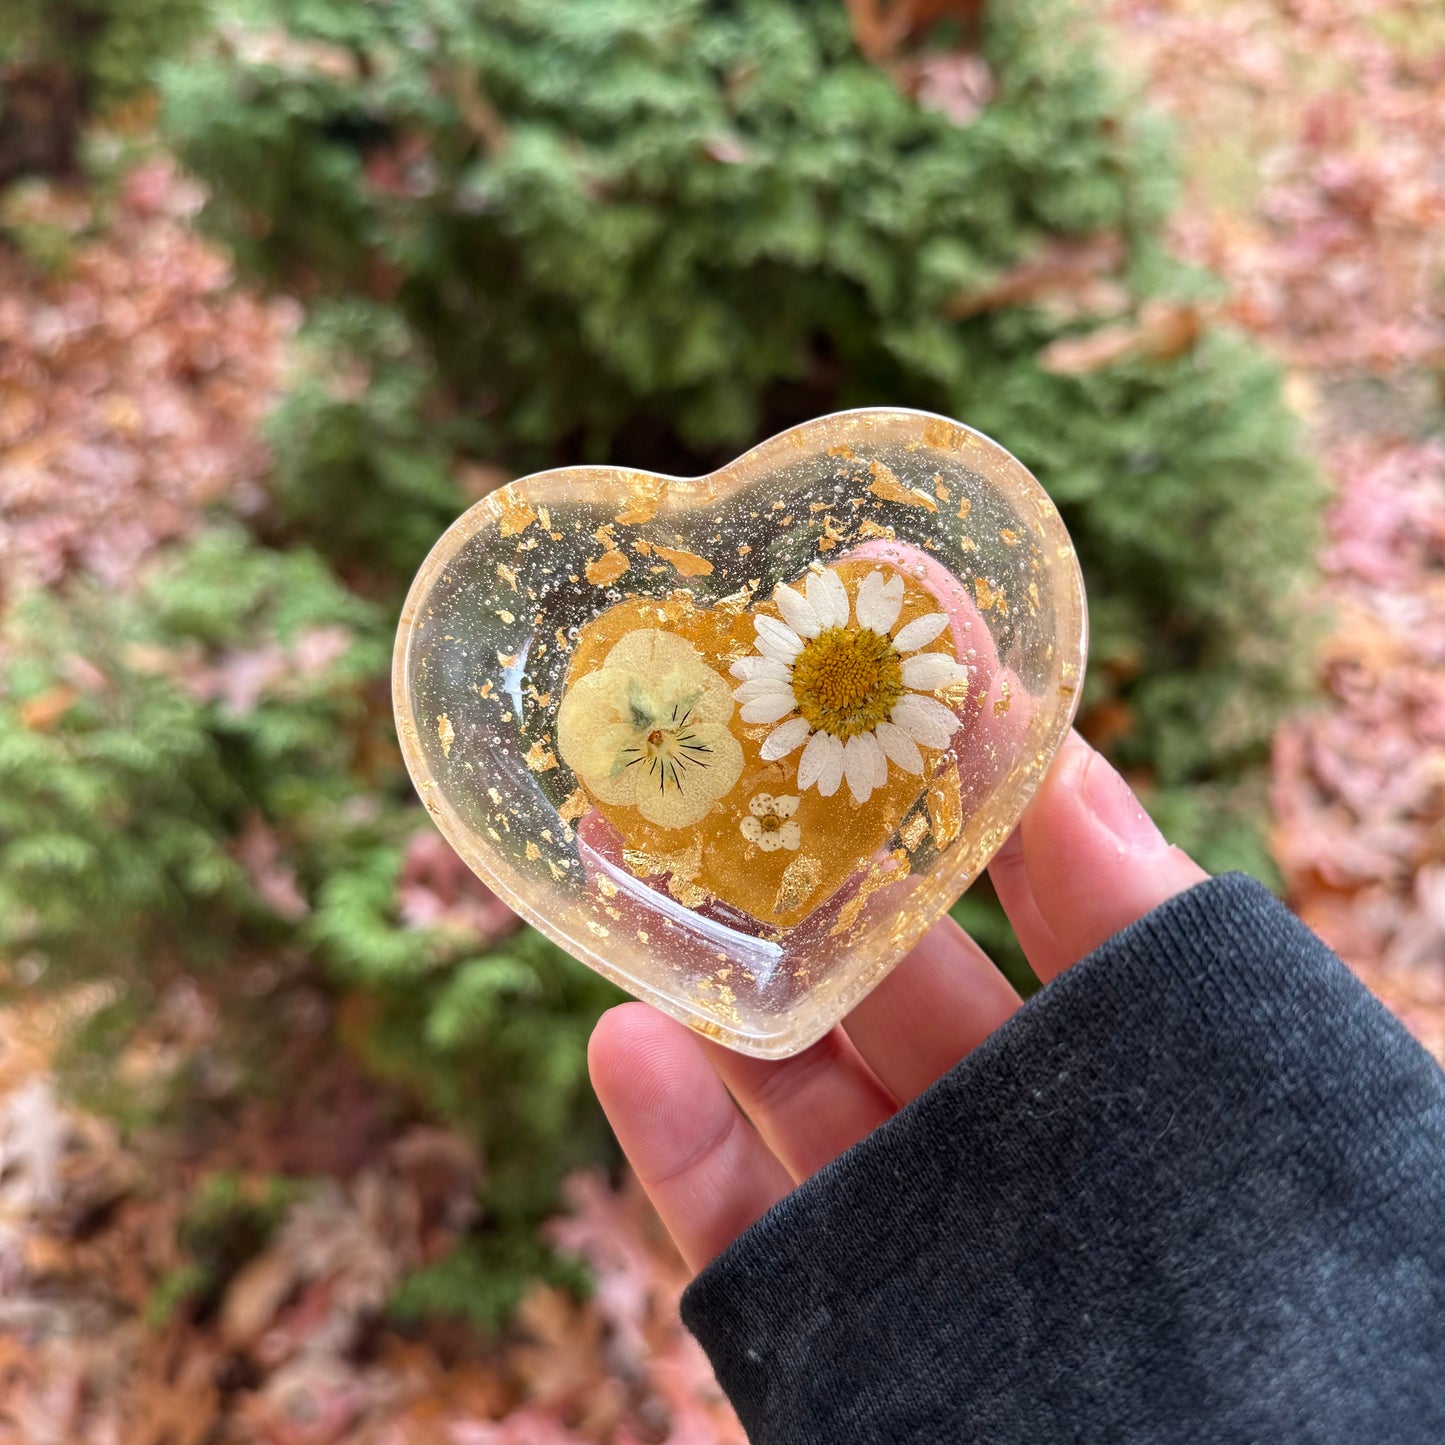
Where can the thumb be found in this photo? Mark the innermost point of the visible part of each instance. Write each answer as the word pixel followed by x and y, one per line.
pixel 1085 861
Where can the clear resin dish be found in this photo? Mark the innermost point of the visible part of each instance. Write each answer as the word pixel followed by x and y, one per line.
pixel 736 741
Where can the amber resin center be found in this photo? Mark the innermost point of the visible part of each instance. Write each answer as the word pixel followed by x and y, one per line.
pixel 846 680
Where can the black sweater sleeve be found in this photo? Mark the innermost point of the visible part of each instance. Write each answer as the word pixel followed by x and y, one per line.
pixel 1194 1190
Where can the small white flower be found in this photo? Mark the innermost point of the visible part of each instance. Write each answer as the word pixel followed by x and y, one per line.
pixel 857 697
pixel 768 823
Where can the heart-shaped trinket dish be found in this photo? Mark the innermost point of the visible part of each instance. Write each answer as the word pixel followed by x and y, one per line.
pixel 737 741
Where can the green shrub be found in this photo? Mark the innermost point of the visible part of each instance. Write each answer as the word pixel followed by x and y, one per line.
pixel 241 693
pixel 109 47
pixel 652 231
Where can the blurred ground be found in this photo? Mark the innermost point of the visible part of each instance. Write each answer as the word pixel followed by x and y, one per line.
pixel 1314 132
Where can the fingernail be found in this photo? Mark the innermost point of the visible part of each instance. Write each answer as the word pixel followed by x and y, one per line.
pixel 1113 803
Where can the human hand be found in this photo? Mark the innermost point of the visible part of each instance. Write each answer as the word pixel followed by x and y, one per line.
pixel 717 1138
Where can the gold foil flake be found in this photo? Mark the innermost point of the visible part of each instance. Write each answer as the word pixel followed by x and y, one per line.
pixel 882 872
pixel 506 616
pixel 914 831
pixel 446 734
pixel 533 852
pixel 846 452
pixel 833 532
pixel 540 758
pixel 887 486
pixel 955 695
pixel 964 508
pixel 600 929
pixel 644 496
pixel 799 882
pixel 945 807
pixel 495 796
pixel 688 894
pixel 605 886
pixel 869 528
pixel 573 806
pixel 1008 536
pixel 677 607
pixel 545 518
pixel 687 564
pixel 603 571
pixel 557 871
pixel 989 596
pixel 513 513
pixel 734 603
pixel 1004 699
pixel 485 690
pixel 939 489
pixel 685 864
pixel 946 436
pixel 508 659
pixel 507 575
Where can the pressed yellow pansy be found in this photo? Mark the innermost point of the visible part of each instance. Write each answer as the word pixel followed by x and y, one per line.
pixel 649 729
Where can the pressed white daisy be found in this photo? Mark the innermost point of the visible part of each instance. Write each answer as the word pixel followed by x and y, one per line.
pixel 852 696
pixel 768 823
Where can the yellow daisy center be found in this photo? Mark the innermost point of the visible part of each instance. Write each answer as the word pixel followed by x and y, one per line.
pixel 770 822
pixel 846 680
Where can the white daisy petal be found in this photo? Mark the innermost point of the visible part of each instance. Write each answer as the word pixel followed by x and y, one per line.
pixel 811 763
pixel 767 709
pixel 893 596
pixel 770 842
pixel 790 835
pixel 929 670
pixel 868 604
pixel 876 758
pixel 775 650
pixel 797 611
pixel 776 640
pixel 920 632
pixel 858 768
pixel 831 775
pixel 748 668
pixel 762 687
pixel 786 806
pixel 779 743
pixel 751 829
pixel 899 747
pixel 828 598
pixel 925 720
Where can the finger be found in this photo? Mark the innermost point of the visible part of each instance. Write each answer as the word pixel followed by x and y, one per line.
pixel 941 1001
pixel 707 1172
pixel 1085 861
pixel 811 1107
